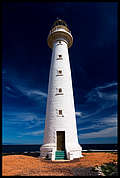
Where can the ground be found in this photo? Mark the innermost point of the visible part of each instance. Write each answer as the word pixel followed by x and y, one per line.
pixel 26 165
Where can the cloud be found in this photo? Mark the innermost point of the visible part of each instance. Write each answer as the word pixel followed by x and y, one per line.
pixel 92 119
pixel 32 133
pixel 37 92
pixel 102 98
pixel 87 128
pixel 16 90
pixel 100 106
pixel 100 113
pixel 108 85
pixel 108 132
pixel 11 90
pixel 109 121
pixel 8 88
pixel 100 123
pixel 24 119
pixel 100 93
pixel 32 93
pixel 78 114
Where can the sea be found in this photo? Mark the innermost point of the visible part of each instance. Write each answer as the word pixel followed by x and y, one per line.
pixel 36 148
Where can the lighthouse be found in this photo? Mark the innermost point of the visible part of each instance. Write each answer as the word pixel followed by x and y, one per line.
pixel 60 133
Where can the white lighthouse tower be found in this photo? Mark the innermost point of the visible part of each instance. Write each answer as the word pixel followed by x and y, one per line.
pixel 60 134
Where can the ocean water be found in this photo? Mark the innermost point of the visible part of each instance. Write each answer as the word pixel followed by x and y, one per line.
pixel 36 148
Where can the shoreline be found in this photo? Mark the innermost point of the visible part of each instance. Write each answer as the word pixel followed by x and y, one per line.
pixel 38 152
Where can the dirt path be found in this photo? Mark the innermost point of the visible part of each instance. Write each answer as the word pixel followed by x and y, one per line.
pixel 22 165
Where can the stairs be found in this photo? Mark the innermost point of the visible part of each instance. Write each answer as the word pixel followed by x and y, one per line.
pixel 60 155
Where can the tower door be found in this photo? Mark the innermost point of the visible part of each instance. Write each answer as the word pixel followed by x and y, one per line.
pixel 60 140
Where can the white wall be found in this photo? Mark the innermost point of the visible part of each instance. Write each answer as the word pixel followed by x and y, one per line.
pixel 65 102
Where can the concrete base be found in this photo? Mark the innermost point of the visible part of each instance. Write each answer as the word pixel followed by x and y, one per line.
pixel 48 151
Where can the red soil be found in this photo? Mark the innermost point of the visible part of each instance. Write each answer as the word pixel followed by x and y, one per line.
pixel 22 165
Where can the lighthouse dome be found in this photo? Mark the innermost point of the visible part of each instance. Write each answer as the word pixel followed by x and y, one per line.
pixel 60 30
pixel 59 22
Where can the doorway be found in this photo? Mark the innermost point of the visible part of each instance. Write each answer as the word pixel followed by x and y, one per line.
pixel 61 140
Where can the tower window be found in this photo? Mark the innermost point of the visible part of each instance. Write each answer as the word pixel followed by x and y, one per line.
pixel 59 73
pixel 60 112
pixel 59 43
pixel 60 90
pixel 59 57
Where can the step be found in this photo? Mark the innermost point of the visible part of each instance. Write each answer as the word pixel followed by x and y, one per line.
pixel 59 158
pixel 60 155
pixel 60 151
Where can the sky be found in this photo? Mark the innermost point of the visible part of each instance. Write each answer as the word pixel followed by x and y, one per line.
pixel 26 60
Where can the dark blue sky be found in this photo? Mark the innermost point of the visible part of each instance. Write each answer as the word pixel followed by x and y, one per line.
pixel 26 61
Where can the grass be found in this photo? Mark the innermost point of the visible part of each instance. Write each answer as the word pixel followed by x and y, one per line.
pixel 110 169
